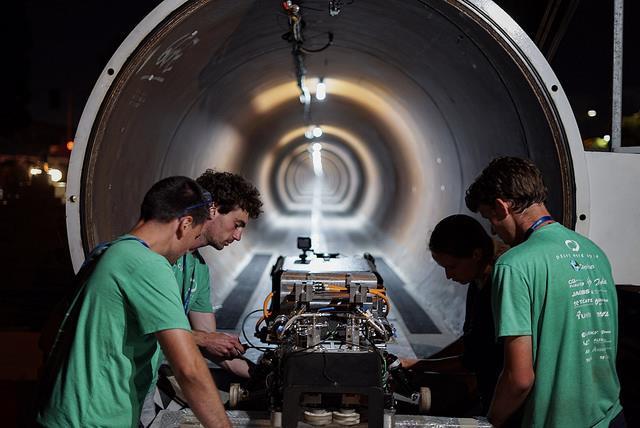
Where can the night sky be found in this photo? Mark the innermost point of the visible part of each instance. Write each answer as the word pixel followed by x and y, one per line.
pixel 57 51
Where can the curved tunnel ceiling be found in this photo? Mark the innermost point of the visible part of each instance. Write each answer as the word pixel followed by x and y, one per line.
pixel 420 96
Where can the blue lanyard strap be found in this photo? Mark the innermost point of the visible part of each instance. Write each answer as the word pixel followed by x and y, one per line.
pixel 102 247
pixel 80 282
pixel 536 224
pixel 187 298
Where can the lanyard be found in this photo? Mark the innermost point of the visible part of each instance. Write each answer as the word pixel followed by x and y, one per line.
pixel 187 298
pixel 81 279
pixel 102 247
pixel 536 224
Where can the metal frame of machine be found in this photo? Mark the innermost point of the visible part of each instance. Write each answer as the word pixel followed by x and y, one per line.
pixel 325 321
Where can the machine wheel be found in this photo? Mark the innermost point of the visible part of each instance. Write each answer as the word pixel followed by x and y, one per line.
pixel 424 405
pixel 235 394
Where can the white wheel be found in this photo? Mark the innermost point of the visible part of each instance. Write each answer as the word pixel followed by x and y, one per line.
pixel 424 405
pixel 235 392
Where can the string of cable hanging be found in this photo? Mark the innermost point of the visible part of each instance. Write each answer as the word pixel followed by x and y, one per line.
pixel 296 38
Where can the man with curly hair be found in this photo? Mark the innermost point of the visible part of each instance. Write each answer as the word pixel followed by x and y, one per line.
pixel 235 201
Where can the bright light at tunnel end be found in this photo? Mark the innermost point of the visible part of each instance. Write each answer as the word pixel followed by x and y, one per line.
pixel 316 156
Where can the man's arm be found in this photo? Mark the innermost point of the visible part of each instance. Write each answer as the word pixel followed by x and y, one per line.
pixel 447 360
pixel 214 345
pixel 193 376
pixel 515 381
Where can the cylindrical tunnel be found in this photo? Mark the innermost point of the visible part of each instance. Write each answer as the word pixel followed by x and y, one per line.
pixel 420 95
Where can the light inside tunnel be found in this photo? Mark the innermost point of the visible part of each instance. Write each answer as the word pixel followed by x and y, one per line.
pixel 413 116
pixel 305 96
pixel 317 161
pixel 321 90
pixel 309 133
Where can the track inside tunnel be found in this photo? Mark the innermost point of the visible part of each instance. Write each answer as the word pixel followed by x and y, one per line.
pixel 416 331
pixel 416 320
pixel 234 305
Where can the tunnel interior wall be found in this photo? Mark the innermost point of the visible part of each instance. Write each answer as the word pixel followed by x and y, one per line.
pixel 421 96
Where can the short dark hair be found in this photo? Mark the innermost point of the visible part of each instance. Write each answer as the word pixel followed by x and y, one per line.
pixel 512 179
pixel 230 191
pixel 174 197
pixel 459 235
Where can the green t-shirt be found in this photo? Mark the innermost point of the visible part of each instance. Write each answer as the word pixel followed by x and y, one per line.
pixel 131 294
pixel 192 274
pixel 557 288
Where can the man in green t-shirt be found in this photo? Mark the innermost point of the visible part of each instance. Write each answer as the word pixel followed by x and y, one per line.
pixel 554 306
pixel 235 201
pixel 108 346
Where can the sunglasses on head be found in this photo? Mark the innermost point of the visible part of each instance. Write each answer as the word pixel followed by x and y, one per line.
pixel 207 200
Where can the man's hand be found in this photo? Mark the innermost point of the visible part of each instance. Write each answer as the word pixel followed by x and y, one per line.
pixel 219 345
pixel 193 376
pixel 216 346
pixel 452 364
pixel 408 363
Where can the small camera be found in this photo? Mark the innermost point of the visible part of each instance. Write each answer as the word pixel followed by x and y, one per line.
pixel 304 243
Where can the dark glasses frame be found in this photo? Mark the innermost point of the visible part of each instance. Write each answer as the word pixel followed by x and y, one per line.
pixel 207 200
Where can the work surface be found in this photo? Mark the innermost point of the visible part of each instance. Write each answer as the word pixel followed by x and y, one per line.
pixel 185 419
